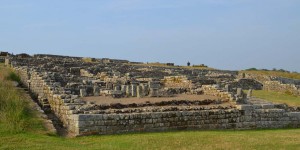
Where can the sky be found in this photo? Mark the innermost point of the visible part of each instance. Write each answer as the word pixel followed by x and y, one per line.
pixel 223 34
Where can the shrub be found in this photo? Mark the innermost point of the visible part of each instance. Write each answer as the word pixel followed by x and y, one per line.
pixel 13 77
pixel 251 69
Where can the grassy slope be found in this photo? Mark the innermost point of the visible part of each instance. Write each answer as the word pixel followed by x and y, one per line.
pixel 278 97
pixel 275 73
pixel 37 138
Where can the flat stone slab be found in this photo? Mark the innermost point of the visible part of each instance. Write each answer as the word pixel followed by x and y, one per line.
pixel 244 107
pixel 109 99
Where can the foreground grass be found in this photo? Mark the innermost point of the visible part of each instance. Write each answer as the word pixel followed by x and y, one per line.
pixel 33 135
pixel 274 73
pixel 277 97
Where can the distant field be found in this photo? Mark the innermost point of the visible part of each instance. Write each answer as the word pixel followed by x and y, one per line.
pixel 275 73
pixel 277 97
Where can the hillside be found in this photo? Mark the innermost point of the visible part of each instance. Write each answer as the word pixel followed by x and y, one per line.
pixel 274 73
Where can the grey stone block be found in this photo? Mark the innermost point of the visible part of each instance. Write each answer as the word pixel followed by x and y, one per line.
pixel 295 115
pixel 267 106
pixel 244 107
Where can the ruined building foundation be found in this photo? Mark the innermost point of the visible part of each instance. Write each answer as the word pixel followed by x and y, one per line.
pixel 61 88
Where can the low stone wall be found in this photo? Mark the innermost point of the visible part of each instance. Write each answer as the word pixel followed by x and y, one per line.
pixel 279 87
pixel 247 84
pixel 277 84
pixel 257 77
pixel 214 91
pixel 242 117
pixel 2 60
pixel 177 82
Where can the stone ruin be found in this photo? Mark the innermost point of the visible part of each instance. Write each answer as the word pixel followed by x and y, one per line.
pixel 273 83
pixel 61 83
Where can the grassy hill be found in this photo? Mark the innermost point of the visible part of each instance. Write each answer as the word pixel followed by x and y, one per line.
pixel 20 128
pixel 277 97
pixel 274 73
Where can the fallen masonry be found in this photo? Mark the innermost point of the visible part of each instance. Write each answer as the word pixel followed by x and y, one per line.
pixel 109 96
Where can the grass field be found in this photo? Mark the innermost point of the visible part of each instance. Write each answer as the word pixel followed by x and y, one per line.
pixel 258 139
pixel 277 97
pixel 32 135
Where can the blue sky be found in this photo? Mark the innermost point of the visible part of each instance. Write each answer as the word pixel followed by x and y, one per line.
pixel 224 34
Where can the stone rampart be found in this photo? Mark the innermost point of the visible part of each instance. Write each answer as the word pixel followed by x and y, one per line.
pixel 67 107
pixel 49 94
pixel 242 117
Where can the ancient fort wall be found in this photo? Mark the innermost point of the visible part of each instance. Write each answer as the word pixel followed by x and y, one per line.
pixel 277 84
pixel 49 95
pixel 243 117
pixel 65 106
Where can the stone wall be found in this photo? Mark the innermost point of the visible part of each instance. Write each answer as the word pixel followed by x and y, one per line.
pixel 247 84
pixel 242 117
pixel 2 59
pixel 7 62
pixel 49 95
pixel 215 91
pixel 67 107
pixel 277 84
pixel 177 82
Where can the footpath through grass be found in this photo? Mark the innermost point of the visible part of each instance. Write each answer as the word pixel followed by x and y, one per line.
pixel 277 97
pixel 29 133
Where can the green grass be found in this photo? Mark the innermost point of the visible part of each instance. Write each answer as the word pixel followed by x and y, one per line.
pixel 277 97
pixel 13 77
pixel 33 135
pixel 259 139
pixel 15 112
pixel 274 73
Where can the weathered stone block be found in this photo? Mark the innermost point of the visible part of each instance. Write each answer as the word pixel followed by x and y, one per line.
pixel 244 107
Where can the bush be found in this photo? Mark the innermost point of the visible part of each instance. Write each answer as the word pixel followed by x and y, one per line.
pixel 251 69
pixel 13 77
